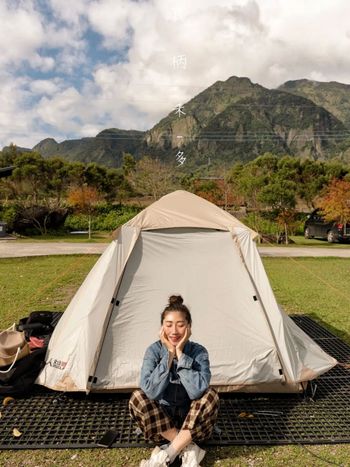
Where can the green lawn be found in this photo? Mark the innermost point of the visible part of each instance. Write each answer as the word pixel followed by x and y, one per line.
pixel 316 286
pixel 299 240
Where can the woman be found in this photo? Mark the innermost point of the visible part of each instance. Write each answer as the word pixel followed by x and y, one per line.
pixel 175 402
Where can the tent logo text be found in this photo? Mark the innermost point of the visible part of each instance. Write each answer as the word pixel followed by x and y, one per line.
pixel 57 364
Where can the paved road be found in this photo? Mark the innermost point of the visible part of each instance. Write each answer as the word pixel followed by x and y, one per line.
pixel 12 249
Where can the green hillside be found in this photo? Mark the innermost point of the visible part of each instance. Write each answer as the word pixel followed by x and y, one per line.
pixel 333 96
pixel 106 148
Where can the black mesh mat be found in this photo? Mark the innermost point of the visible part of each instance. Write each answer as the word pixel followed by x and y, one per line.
pixel 48 419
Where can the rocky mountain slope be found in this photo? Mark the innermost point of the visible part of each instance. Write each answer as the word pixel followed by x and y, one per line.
pixel 239 120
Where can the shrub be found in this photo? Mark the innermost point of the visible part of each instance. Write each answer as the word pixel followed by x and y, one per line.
pixel 261 224
pixel 106 218
pixel 9 215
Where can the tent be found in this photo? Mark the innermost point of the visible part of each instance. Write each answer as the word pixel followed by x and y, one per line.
pixel 187 245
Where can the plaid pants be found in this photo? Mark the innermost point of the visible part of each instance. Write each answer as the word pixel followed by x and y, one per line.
pixel 153 420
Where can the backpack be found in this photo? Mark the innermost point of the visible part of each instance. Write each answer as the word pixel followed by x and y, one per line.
pixel 21 377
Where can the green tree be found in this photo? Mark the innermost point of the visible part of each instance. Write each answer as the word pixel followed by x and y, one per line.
pixel 280 196
pixel 129 164
pixel 116 185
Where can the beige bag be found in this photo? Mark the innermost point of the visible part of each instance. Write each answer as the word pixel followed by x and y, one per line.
pixel 13 347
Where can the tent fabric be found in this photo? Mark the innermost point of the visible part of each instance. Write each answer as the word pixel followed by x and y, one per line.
pixel 211 260
pixel 183 209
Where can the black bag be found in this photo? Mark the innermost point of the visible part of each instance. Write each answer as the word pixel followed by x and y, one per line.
pixel 21 378
pixel 39 324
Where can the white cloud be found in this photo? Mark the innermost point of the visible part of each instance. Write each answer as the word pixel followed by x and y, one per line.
pixel 110 18
pixel 45 86
pixel 21 34
pixel 17 119
pixel 61 109
pixel 71 13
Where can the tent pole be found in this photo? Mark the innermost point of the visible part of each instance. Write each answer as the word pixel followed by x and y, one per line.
pixel 96 359
pixel 264 312
pixel 99 348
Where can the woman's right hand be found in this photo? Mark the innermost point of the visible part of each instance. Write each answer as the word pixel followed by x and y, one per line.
pixel 164 340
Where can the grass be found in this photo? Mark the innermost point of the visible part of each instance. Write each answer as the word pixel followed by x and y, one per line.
pixel 47 282
pixel 299 240
pixel 316 286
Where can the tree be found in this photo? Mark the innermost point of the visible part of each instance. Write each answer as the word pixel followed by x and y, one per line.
pixel 312 179
pixel 116 186
pixel 152 177
pixel 129 164
pixel 37 186
pixel 335 202
pixel 84 198
pixel 280 196
pixel 30 176
pixel 209 189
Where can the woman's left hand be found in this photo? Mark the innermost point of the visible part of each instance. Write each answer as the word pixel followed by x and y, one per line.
pixel 181 344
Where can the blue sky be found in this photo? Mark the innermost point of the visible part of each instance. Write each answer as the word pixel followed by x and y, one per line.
pixel 72 69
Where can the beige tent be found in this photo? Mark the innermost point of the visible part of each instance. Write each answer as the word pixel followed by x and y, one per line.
pixel 180 244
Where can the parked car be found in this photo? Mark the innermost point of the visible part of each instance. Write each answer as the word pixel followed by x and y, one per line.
pixel 317 227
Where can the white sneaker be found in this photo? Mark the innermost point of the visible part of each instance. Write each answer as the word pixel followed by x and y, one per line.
pixel 159 458
pixel 192 455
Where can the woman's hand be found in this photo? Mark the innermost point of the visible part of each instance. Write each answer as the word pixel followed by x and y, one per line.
pixel 165 341
pixel 180 345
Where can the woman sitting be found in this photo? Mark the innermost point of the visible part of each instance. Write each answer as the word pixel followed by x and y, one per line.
pixel 175 402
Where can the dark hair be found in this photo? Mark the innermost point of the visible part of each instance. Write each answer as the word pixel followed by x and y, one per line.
pixel 175 303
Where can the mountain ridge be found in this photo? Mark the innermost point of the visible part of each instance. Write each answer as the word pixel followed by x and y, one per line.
pixel 232 120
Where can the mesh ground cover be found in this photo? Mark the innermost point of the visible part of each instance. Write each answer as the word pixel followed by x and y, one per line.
pixel 49 419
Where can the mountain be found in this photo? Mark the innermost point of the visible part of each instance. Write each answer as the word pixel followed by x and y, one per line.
pixel 106 148
pixel 232 120
pixel 333 96
pixel 237 120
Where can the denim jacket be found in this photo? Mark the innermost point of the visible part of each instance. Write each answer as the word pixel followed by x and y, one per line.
pixel 187 379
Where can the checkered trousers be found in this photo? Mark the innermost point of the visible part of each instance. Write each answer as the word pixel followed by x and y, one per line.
pixel 153 420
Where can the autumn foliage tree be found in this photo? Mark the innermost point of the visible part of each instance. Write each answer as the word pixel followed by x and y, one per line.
pixel 335 203
pixel 84 198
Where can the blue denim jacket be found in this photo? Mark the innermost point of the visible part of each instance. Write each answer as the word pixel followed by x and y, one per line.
pixel 186 380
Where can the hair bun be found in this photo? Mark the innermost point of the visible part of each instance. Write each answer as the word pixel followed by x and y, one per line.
pixel 175 299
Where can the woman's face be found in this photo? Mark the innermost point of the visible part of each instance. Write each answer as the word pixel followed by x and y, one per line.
pixel 175 324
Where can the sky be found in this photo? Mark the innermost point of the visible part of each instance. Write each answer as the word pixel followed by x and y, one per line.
pixel 69 69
